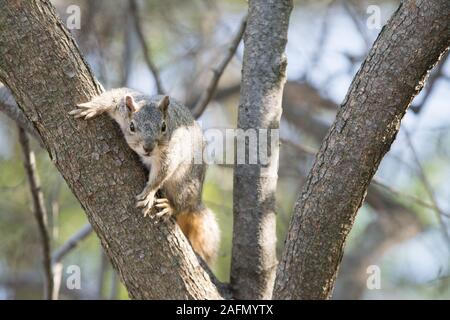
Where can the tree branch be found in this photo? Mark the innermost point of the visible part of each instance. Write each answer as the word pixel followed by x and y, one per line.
pixel 146 50
pixel 428 187
pixel 394 223
pixel 208 94
pixel 349 8
pixel 28 282
pixel 298 97
pixel 48 77
pixel 38 210
pixel 254 236
pixel 71 243
pixel 61 252
pixel 379 196
pixel 365 127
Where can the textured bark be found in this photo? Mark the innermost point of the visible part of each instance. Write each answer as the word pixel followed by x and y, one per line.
pixel 264 67
pixel 9 107
pixel 42 66
pixel 365 127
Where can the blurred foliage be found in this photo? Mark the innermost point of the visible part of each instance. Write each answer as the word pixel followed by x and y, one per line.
pixel 186 39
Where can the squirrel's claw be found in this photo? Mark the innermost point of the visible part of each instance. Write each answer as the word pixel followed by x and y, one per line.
pixel 161 201
pixel 164 213
pixel 163 204
pixel 146 211
pixel 145 201
pixel 76 113
pixel 140 196
pixel 86 105
pixel 86 111
pixel 143 195
pixel 164 208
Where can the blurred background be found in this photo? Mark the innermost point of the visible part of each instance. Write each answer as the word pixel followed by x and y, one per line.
pixel 402 227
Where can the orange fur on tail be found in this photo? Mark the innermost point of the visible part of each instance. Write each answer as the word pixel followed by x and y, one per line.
pixel 202 231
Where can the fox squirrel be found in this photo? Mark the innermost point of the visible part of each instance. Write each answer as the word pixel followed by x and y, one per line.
pixel 164 135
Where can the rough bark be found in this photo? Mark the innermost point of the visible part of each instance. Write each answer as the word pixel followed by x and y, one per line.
pixel 42 66
pixel 254 239
pixel 9 107
pixel 366 125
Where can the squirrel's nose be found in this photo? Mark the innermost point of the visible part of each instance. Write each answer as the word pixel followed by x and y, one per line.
pixel 148 148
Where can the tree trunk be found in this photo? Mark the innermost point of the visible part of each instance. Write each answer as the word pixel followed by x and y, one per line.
pixel 264 74
pixel 365 127
pixel 42 66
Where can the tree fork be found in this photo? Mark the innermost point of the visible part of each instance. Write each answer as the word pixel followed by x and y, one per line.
pixel 42 66
pixel 412 42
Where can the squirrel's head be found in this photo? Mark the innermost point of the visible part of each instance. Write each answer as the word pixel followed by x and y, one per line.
pixel 146 130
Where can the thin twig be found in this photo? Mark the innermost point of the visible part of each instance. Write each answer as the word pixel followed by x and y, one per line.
pixel 113 293
pixel 146 50
pixel 71 243
pixel 357 22
pixel 312 152
pixel 208 94
pixel 323 34
pixel 127 50
pixel 407 196
pixel 427 185
pixel 38 209
pixel 309 151
pixel 61 252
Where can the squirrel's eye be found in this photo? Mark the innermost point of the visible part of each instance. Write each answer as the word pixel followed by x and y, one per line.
pixel 163 127
pixel 132 127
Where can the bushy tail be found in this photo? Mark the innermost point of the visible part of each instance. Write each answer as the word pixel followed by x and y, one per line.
pixel 203 232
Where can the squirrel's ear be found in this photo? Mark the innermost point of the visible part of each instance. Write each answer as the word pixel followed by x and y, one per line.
pixel 164 105
pixel 131 105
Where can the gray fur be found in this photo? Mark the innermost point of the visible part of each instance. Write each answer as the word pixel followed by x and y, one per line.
pixel 170 161
pixel 173 171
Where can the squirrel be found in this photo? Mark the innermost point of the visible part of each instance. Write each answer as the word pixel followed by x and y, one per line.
pixel 164 134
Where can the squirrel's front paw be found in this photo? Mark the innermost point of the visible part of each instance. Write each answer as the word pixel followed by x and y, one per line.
pixel 86 110
pixel 145 202
pixel 165 208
